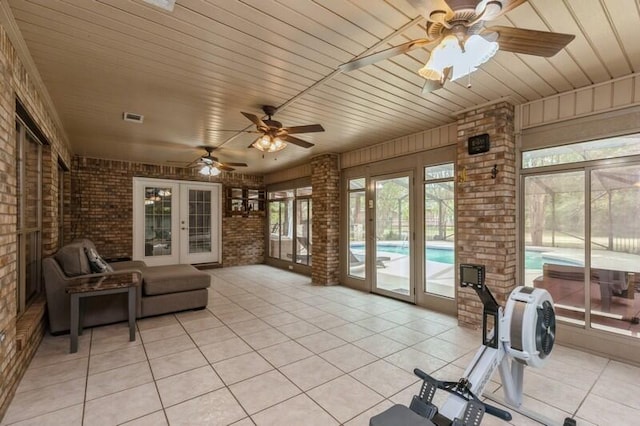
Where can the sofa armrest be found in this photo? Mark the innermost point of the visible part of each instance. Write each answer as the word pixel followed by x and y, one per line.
pixel 108 274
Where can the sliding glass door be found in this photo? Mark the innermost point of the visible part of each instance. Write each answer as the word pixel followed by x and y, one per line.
pixel 581 231
pixel 392 257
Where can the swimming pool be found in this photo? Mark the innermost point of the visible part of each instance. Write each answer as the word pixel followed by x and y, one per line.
pixel 533 259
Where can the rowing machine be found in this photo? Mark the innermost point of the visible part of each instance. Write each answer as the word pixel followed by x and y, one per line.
pixel 522 334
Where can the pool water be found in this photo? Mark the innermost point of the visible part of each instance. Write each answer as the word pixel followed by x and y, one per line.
pixel 533 259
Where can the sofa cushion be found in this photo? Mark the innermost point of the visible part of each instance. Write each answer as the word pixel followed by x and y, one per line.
pixel 128 264
pixel 73 260
pixel 173 279
pixel 96 262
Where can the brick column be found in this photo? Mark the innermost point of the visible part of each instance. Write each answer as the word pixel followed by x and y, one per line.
pixel 325 182
pixel 486 229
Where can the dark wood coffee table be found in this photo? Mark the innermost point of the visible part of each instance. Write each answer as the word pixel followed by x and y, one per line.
pixel 125 282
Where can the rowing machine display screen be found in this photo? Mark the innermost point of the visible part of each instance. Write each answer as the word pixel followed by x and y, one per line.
pixel 472 275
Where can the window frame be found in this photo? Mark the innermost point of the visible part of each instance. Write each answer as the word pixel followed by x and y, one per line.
pixel 24 135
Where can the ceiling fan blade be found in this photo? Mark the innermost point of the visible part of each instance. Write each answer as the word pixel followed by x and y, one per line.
pixel 431 85
pixel 297 141
pixel 530 42
pixel 385 54
pixel 234 131
pixel 255 120
pixel 234 164
pixel 225 167
pixel 309 128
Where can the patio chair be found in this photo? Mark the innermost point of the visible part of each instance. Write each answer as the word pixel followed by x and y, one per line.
pixel 355 261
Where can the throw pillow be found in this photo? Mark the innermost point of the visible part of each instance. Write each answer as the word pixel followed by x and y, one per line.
pixel 96 262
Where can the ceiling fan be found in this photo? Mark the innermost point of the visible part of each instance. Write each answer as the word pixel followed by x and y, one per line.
pixel 211 165
pixel 273 137
pixel 462 41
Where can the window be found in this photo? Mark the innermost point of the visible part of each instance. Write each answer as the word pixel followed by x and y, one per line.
pixel 303 226
pixel 29 215
pixel 357 249
pixel 554 236
pixel 439 230
pixel 61 178
pixel 584 151
pixel 581 233
pixel 290 236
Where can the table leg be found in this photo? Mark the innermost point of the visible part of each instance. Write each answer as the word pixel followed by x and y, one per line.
pixel 132 313
pixel 81 307
pixel 73 329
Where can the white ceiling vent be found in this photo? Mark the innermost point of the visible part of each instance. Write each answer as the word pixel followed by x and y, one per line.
pixel 130 116
pixel 163 4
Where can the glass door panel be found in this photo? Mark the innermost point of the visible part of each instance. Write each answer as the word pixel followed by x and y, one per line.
pixel 199 221
pixel 303 231
pixel 615 250
pixel 357 228
pixel 158 220
pixel 439 231
pixel 554 227
pixel 275 231
pixel 392 234
pixel 281 228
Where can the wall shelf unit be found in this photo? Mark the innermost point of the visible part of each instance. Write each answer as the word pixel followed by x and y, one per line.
pixel 245 201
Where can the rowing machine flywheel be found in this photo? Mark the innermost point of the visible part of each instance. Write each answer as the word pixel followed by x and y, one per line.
pixel 529 325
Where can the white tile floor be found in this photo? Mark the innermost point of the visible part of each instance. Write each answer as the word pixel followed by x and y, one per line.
pixel 272 349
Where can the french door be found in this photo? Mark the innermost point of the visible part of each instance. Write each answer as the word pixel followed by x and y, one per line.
pixel 391 261
pixel 176 222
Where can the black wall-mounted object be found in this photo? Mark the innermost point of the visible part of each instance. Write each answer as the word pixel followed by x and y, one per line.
pixel 478 144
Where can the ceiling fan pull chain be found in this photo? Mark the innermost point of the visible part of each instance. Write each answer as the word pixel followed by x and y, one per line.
pixel 469 80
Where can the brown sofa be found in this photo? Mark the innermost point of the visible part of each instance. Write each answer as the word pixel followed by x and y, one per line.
pixel 164 289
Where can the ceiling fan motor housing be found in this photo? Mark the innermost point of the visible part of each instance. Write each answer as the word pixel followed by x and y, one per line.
pixel 529 326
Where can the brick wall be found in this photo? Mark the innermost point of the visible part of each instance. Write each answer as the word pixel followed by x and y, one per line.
pixel 101 208
pixel 486 229
pixel 325 181
pixel 16 82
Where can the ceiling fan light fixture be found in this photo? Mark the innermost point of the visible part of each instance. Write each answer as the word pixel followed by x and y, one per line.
pixel 209 170
pixel 269 144
pixel 441 58
pixel 477 51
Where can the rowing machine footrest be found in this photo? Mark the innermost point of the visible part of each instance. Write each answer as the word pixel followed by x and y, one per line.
pixel 421 403
pixel 423 408
pixel 399 415
pixel 472 414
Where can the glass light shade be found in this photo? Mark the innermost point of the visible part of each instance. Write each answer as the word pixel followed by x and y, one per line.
pixel 209 171
pixel 269 144
pixel 477 51
pixel 440 58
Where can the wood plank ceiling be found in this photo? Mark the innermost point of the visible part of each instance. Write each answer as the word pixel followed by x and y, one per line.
pixel 192 71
